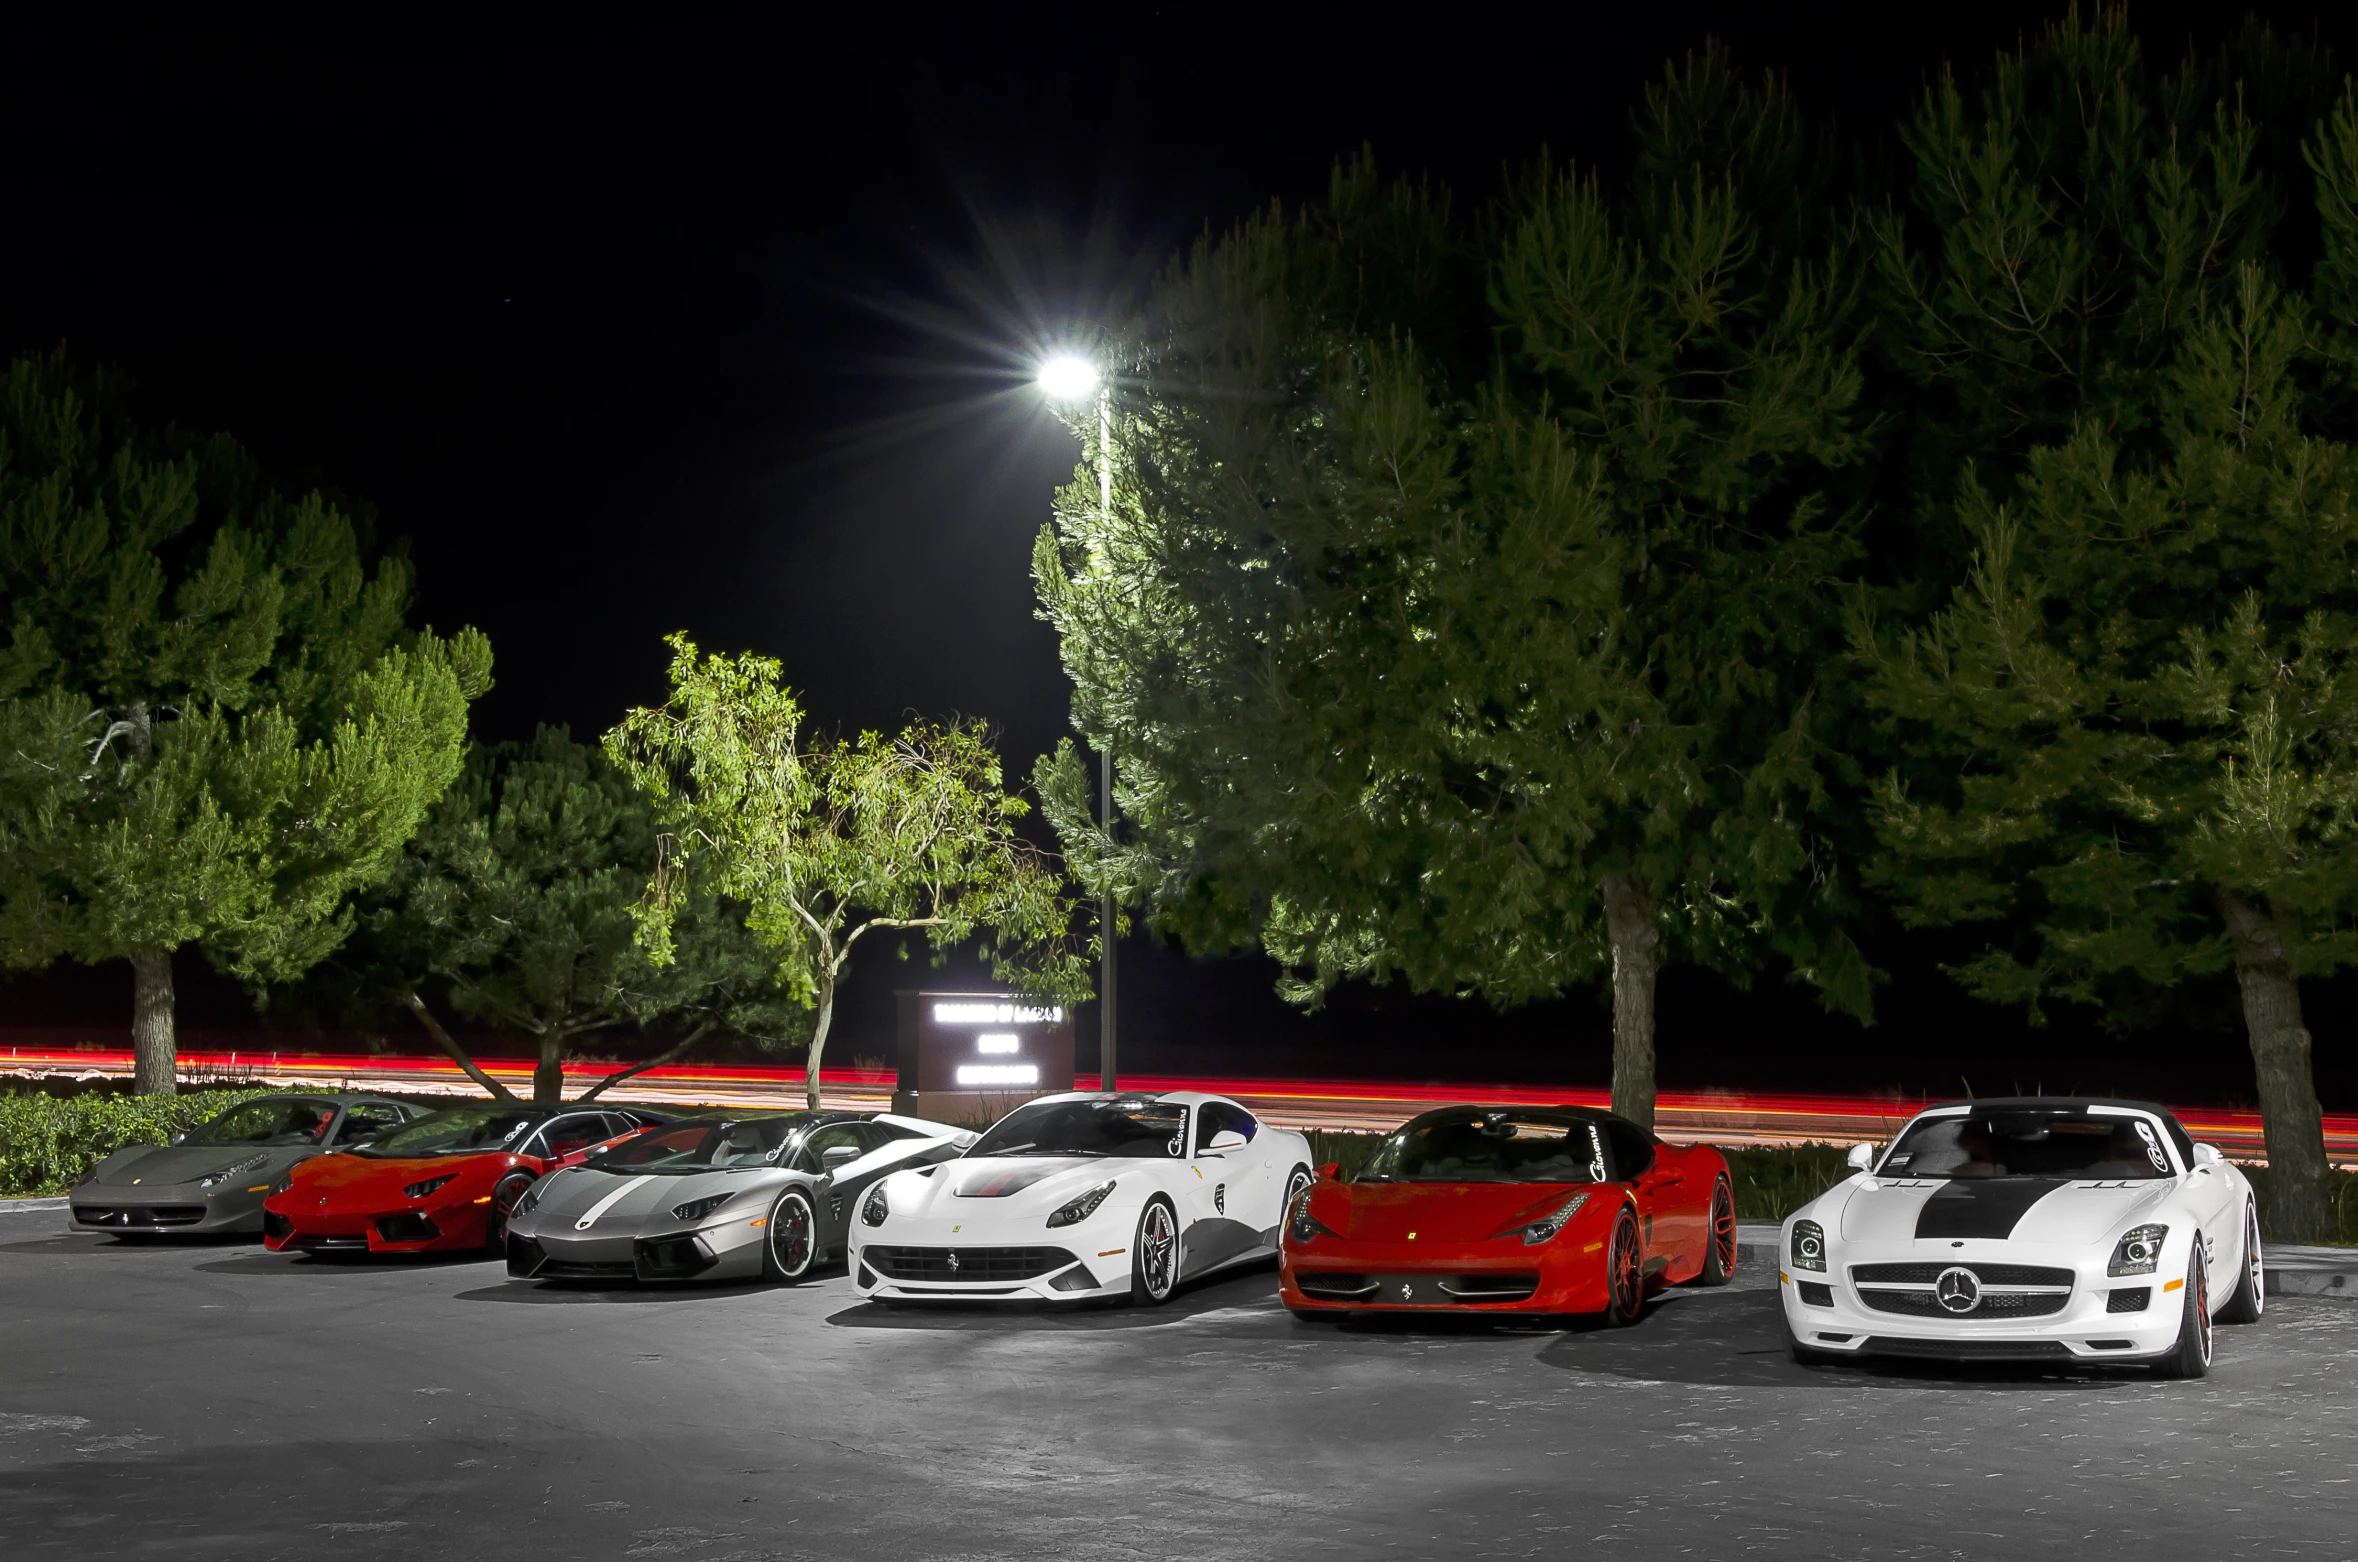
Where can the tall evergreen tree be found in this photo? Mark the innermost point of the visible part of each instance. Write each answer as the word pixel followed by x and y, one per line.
pixel 1460 611
pixel 214 722
pixel 2127 739
pixel 514 906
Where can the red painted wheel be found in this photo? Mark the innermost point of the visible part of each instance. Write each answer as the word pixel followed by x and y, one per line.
pixel 503 1204
pixel 1719 1251
pixel 1625 1272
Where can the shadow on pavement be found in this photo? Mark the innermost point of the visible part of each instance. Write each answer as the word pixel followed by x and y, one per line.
pixel 1228 1298
pixel 1737 1339
pixel 597 1293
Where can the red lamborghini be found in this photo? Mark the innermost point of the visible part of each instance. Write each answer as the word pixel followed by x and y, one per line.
pixel 1524 1210
pixel 443 1184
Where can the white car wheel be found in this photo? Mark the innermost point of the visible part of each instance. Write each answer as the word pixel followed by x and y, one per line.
pixel 2251 1289
pixel 1154 1254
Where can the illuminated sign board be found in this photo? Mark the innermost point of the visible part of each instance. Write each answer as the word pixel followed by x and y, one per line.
pixel 968 1056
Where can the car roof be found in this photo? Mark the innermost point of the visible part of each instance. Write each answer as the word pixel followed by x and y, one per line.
pixel 2047 1104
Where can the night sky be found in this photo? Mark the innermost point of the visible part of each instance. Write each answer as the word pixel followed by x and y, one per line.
pixel 723 322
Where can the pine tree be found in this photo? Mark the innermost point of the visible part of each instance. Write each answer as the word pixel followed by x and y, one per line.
pixel 1460 614
pixel 214 723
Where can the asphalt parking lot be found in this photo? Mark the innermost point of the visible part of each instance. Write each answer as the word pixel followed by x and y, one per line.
pixel 202 1401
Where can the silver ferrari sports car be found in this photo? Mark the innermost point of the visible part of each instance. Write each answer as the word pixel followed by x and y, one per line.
pixel 214 1178
pixel 724 1196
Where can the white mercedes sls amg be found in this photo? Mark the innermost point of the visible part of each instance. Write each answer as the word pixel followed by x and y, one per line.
pixel 1074 1197
pixel 2027 1229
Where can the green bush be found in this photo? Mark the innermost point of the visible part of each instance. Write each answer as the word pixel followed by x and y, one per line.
pixel 1347 1150
pixel 48 1143
pixel 1772 1181
pixel 2345 1204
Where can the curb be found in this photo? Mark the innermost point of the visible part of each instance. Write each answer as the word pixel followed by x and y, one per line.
pixel 29 1206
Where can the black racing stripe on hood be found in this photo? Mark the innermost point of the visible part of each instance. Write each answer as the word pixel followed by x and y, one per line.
pixel 1982 1206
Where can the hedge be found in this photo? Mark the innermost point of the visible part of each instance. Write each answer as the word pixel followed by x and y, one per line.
pixel 47 1143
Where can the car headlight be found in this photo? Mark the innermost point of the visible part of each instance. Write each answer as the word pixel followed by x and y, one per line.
pixel 286 1180
pixel 1545 1228
pixel 1809 1246
pixel 227 1172
pixel 874 1207
pixel 697 1209
pixel 1081 1208
pixel 1306 1226
pixel 2139 1252
pixel 418 1190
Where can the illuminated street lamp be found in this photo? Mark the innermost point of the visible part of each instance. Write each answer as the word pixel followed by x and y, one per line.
pixel 1067 377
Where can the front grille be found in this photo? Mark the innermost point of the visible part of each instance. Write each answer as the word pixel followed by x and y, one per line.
pixel 409 1226
pixel 1510 1287
pixel 1987 1274
pixel 668 1258
pixel 1334 1287
pixel 333 1244
pixel 1815 1293
pixel 1951 1350
pixel 865 1278
pixel 562 1269
pixel 123 1216
pixel 2129 1299
pixel 1994 1304
pixel 975 1264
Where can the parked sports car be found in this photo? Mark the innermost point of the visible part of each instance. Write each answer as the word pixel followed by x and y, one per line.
pixel 213 1178
pixel 1518 1210
pixel 731 1196
pixel 442 1184
pixel 2029 1229
pixel 1084 1195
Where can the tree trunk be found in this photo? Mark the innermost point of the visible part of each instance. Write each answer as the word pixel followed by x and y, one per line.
pixel 1637 956
pixel 457 1054
pixel 810 1073
pixel 548 1075
pixel 155 1050
pixel 657 1061
pixel 2300 1182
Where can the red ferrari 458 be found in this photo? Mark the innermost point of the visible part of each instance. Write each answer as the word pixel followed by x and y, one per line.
pixel 1481 1209
pixel 443 1184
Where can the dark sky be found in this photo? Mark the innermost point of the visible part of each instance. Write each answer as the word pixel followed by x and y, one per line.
pixel 717 321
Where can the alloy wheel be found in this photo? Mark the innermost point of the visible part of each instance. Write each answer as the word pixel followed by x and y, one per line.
pixel 1723 1228
pixel 2255 1277
pixel 790 1236
pixel 1158 1256
pixel 2200 1284
pixel 1625 1271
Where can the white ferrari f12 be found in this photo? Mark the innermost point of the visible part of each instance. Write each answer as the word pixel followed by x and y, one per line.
pixel 1073 1197
pixel 2027 1229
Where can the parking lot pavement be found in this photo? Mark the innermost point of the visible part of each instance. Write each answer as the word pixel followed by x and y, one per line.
pixel 214 1401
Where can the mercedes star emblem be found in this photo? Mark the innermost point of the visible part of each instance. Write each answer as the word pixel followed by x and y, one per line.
pixel 1957 1290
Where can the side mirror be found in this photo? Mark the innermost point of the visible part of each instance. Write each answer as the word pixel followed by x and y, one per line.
pixel 1862 1157
pixel 2209 1155
pixel 836 1155
pixel 1331 1171
pixel 1225 1140
pixel 176 1139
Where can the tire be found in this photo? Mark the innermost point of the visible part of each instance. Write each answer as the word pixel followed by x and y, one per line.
pixel 2251 1285
pixel 1625 1272
pixel 2191 1356
pixel 1719 1239
pixel 504 1195
pixel 1296 1180
pixel 1154 1254
pixel 790 1242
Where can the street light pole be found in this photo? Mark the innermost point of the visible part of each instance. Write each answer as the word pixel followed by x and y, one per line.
pixel 1108 1051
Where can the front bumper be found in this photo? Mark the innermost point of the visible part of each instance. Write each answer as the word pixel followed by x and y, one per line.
pixel 909 1259
pixel 181 1209
pixel 1336 1275
pixel 456 1226
pixel 1833 1314
pixel 726 1250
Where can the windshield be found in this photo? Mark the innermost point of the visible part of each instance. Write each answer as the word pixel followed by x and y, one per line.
pixel 1132 1127
pixel 462 1130
pixel 2061 1143
pixel 272 1120
pixel 704 1144
pixel 1490 1147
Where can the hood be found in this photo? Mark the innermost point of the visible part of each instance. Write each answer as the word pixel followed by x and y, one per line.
pixel 1018 1185
pixel 366 1176
pixel 156 1165
pixel 1438 1211
pixel 2020 1209
pixel 619 1203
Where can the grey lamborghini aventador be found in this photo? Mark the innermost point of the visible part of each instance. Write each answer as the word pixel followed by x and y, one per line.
pixel 215 1178
pixel 729 1196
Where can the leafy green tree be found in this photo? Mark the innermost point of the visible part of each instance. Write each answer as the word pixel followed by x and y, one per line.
pixel 1460 612
pixel 214 724
pixel 825 841
pixel 2126 740
pixel 515 904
